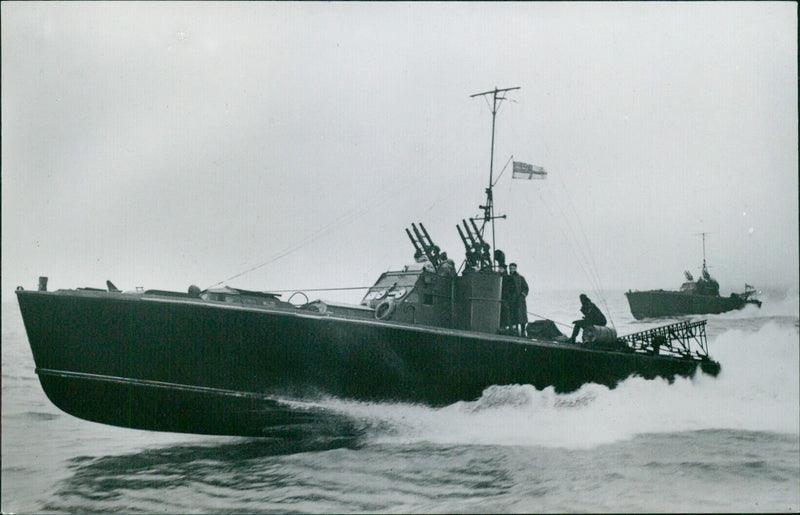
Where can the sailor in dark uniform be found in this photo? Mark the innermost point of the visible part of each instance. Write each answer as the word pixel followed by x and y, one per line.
pixel 505 300
pixel 518 307
pixel 591 316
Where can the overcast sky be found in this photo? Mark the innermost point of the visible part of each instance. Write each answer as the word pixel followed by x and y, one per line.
pixel 169 144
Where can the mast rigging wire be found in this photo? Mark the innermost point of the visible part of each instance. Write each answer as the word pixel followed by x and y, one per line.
pixel 580 253
pixel 347 217
pixel 594 267
pixel 503 170
pixel 322 289
pixel 354 214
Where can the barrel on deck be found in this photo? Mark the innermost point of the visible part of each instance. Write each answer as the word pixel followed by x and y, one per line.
pixel 599 334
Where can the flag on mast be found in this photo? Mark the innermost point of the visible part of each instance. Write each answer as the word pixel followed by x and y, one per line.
pixel 526 171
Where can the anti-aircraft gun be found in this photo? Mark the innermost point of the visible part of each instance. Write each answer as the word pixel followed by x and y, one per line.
pixel 424 246
pixel 478 252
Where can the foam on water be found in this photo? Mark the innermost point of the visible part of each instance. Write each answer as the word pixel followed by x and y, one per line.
pixel 780 306
pixel 757 390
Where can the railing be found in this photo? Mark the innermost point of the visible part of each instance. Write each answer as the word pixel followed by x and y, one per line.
pixel 672 340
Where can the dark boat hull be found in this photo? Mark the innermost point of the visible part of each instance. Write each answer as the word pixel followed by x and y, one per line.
pixel 659 303
pixel 188 365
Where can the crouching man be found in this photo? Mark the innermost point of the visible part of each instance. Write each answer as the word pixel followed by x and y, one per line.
pixel 591 316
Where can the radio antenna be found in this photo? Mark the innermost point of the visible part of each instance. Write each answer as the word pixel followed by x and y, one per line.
pixel 488 209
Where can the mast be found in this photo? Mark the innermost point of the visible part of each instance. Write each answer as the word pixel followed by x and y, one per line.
pixel 488 209
pixel 703 234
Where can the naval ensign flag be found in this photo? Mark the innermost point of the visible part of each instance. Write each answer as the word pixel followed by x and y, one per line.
pixel 526 171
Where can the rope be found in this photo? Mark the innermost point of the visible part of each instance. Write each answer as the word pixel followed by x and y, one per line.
pixel 578 248
pixel 503 170
pixel 594 267
pixel 347 217
pixel 360 209
pixel 550 319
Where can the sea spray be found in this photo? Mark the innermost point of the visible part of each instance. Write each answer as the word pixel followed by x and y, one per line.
pixel 757 390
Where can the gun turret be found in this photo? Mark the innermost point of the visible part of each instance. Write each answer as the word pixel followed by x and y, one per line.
pixel 471 245
pixel 433 249
pixel 471 263
pixel 417 248
pixel 426 248
pixel 423 245
pixel 478 251
pixel 483 249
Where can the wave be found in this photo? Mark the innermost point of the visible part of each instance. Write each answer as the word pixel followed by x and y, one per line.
pixel 773 305
pixel 757 390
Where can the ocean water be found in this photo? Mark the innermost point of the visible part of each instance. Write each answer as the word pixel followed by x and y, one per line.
pixel 725 444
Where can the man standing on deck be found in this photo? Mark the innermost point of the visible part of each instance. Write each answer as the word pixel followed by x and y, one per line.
pixel 518 308
pixel 591 316
pixel 505 298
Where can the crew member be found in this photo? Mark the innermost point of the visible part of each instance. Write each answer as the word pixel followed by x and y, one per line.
pixel 505 300
pixel 591 316
pixel 518 308
pixel 447 267
pixel 421 262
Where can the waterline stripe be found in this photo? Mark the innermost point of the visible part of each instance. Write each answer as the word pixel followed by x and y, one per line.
pixel 153 384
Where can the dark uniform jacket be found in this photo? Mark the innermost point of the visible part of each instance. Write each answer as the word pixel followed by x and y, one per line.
pixel 592 314
pixel 517 291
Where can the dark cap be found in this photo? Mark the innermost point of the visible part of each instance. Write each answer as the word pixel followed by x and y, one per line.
pixel 512 264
